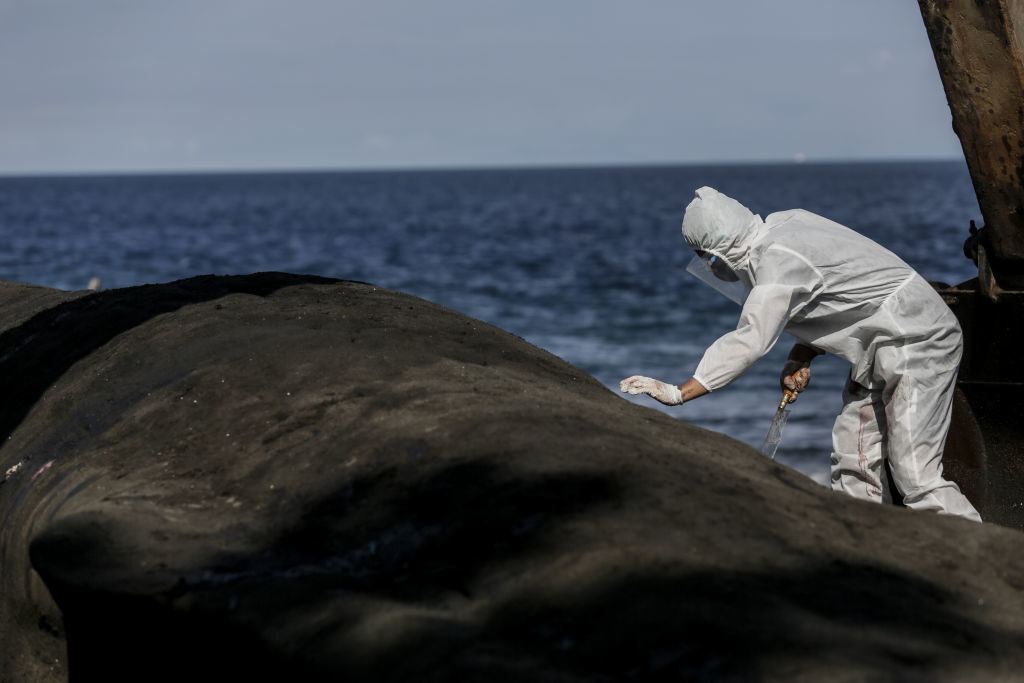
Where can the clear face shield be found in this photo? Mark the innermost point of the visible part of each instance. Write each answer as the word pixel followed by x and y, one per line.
pixel 712 270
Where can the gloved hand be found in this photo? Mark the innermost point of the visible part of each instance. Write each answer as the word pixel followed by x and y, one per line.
pixel 796 375
pixel 662 392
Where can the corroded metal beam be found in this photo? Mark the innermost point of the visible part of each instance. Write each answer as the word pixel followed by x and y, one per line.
pixel 978 46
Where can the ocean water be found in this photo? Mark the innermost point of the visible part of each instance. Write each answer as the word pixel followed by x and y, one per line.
pixel 587 263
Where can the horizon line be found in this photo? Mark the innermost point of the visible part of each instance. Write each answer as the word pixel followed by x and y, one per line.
pixel 484 167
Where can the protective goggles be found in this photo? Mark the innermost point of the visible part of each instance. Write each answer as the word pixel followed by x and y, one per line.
pixel 715 272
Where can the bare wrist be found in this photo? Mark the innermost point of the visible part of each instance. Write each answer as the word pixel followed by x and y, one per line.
pixel 692 389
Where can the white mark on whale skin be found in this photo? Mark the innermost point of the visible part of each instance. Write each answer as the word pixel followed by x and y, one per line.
pixel 42 469
pixel 11 471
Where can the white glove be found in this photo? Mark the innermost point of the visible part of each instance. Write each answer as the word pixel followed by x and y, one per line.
pixel 796 375
pixel 663 392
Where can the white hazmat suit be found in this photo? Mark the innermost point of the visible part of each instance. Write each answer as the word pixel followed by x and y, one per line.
pixel 840 292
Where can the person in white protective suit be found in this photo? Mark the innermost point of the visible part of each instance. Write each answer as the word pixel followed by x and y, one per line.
pixel 836 291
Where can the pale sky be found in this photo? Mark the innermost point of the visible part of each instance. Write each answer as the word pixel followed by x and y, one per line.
pixel 153 85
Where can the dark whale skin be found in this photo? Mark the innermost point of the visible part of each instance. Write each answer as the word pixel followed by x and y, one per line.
pixel 280 475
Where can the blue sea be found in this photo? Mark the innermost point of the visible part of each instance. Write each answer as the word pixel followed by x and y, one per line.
pixel 587 263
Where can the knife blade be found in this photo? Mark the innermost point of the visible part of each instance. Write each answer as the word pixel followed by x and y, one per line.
pixel 774 436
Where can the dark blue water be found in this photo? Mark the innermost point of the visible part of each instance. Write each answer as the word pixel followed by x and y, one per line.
pixel 587 263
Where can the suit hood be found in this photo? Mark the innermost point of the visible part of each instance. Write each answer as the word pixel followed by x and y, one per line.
pixel 722 226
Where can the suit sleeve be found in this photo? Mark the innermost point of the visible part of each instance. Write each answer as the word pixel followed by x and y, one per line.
pixel 786 283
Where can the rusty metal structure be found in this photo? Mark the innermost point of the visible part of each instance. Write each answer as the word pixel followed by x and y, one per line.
pixel 978 46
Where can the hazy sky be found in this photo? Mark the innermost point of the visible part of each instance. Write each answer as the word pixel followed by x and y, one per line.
pixel 111 85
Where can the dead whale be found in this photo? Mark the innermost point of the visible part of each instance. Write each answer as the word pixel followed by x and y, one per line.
pixel 286 475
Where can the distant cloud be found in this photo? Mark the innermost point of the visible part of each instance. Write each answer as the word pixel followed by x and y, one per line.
pixel 379 142
pixel 881 58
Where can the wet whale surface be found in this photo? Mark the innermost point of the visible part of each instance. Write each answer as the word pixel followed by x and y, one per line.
pixel 276 474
